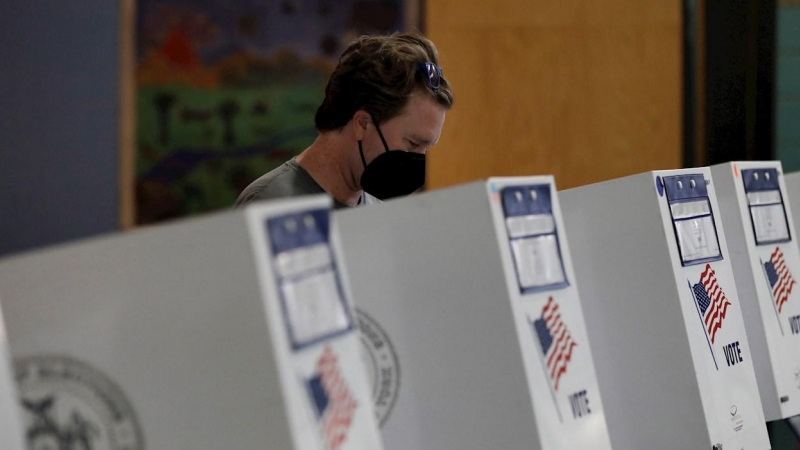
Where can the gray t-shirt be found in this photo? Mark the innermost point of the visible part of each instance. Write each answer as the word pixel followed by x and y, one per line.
pixel 289 180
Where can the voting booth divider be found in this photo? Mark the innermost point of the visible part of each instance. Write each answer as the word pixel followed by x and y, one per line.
pixel 472 330
pixel 662 311
pixel 792 183
pixel 11 434
pixel 232 331
pixel 755 209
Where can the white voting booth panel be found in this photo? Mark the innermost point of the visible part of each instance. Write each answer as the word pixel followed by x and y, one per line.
pixel 662 311
pixel 233 331
pixel 765 259
pixel 470 320
pixel 792 183
pixel 11 434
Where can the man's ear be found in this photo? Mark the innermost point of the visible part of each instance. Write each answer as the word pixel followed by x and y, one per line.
pixel 360 122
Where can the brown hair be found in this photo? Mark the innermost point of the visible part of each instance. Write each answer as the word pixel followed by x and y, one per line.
pixel 378 74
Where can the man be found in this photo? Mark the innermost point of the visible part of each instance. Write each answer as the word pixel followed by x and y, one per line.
pixel 384 107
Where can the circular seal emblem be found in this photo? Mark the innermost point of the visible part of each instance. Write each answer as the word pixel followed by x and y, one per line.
pixel 382 365
pixel 68 405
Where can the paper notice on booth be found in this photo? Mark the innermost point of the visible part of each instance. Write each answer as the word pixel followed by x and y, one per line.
pixel 314 307
pixel 538 261
pixel 313 303
pixel 697 238
pixel 695 230
pixel 769 223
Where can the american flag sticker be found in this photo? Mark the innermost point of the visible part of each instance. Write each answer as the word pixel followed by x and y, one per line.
pixel 711 301
pixel 779 278
pixel 554 340
pixel 332 400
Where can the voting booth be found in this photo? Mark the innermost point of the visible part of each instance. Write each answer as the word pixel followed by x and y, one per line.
pixel 792 183
pixel 470 322
pixel 234 331
pixel 765 260
pixel 662 311
pixel 11 432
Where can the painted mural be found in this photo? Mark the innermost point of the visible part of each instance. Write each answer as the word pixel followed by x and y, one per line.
pixel 227 90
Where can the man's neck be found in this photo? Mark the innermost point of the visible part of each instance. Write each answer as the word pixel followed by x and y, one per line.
pixel 327 164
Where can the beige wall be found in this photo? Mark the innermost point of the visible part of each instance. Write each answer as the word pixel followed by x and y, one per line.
pixel 587 90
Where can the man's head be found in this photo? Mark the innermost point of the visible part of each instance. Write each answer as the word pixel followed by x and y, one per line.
pixel 387 94
pixel 379 74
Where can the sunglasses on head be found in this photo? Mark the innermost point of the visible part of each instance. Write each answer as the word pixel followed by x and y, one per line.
pixel 431 73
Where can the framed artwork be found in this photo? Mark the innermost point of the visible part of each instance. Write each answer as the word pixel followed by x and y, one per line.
pixel 226 90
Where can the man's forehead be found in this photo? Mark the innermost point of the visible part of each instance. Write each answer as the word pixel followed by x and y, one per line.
pixel 419 119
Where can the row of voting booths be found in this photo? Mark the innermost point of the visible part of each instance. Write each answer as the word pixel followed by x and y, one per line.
pixel 659 310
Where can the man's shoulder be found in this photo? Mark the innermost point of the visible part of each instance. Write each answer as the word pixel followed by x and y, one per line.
pixel 286 180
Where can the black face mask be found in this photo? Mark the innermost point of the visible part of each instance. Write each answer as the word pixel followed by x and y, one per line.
pixel 393 173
